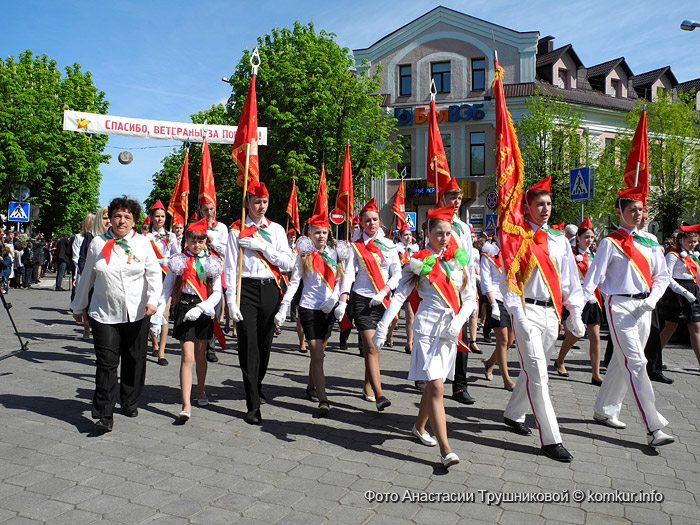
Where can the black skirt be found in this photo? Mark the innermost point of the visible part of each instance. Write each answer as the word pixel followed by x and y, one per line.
pixel 504 321
pixel 366 317
pixel 200 329
pixel 316 324
pixel 676 308
pixel 592 314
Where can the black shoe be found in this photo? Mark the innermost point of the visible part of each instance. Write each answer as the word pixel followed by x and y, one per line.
pixel 596 383
pixel 263 399
pixel 518 428
pixel 343 346
pixel 104 424
pixel 487 338
pixel 407 349
pixel 312 395
pixel 661 378
pixel 474 349
pixel 162 361
pixel 462 396
pixel 388 344
pixel 61 289
pixel 130 412
pixel 253 417
pixel 211 356
pixel 557 452
pixel 664 367
pixel 420 385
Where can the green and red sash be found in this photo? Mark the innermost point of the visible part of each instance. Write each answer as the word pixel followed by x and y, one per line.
pixel 583 266
pixel 539 251
pixel 691 263
pixel 159 253
pixel 111 241
pixel 625 243
pixel 193 274
pixel 325 267
pixel 497 260
pixel 366 253
pixel 260 233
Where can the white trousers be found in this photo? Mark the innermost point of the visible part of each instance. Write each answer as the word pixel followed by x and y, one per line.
pixel 532 388
pixel 628 365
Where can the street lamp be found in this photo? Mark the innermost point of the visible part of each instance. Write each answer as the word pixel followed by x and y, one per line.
pixel 689 25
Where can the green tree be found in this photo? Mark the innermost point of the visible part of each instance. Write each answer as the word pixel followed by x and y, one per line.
pixel 60 168
pixel 551 143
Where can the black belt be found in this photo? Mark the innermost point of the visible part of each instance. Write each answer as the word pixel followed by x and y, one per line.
pixel 634 295
pixel 539 303
pixel 257 282
pixel 188 299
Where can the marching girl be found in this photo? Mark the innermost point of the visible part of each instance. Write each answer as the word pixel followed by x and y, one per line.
pixel 679 303
pixel 374 268
pixel 318 268
pixel 194 284
pixel 162 242
pixel 176 239
pixel 491 265
pixel 592 315
pixel 438 273
pixel 406 248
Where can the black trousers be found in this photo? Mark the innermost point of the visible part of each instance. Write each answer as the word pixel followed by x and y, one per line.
pixel 127 341
pixel 259 303
pixel 460 380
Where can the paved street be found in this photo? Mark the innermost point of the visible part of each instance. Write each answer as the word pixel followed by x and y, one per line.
pixel 298 468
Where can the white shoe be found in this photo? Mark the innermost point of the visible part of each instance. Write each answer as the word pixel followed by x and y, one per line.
pixel 425 438
pixel 609 421
pixel 449 460
pixel 658 438
pixel 184 416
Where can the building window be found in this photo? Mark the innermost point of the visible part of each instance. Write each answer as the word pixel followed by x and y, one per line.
pixel 660 92
pixel 404 81
pixel 405 163
pixel 447 143
pixel 440 72
pixel 478 74
pixel 563 79
pixel 477 142
pixel 615 88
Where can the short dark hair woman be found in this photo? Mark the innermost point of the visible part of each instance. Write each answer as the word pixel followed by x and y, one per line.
pixel 122 269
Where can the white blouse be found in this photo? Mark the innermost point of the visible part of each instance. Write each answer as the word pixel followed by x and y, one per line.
pixel 208 306
pixel 315 290
pixel 356 273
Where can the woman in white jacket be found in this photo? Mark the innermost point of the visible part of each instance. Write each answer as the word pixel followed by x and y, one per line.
pixel 320 268
pixel 439 275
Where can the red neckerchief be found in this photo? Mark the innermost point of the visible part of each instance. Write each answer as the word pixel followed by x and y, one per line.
pixel 111 241
pixel 251 231
pixel 583 266
pixel 691 263
pixel 539 250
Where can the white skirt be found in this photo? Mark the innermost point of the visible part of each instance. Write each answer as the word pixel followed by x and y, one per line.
pixel 432 358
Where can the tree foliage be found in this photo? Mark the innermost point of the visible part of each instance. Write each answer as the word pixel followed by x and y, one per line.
pixel 60 168
pixel 312 101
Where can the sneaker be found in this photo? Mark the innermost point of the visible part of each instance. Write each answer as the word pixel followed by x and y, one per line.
pixel 425 438
pixel 658 438
pixel 449 460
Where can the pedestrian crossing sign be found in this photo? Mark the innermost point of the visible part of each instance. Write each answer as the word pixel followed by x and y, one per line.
pixel 491 222
pixel 581 183
pixel 18 212
pixel 411 220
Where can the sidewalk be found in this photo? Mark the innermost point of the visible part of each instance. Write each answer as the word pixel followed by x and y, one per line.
pixel 354 466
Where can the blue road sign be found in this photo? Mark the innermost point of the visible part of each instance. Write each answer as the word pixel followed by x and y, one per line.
pixel 491 222
pixel 411 220
pixel 581 183
pixel 18 212
pixel 492 200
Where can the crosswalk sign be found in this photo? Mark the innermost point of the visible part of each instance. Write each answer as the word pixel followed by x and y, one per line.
pixel 491 222
pixel 411 220
pixel 580 183
pixel 18 212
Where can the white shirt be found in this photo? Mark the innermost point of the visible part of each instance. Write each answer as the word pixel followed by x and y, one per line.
pixel 163 244
pixel 356 273
pixel 412 248
pixel 315 290
pixel 175 244
pixel 464 238
pixel 276 251
pixel 490 278
pixel 624 278
pixel 77 241
pixel 676 270
pixel 219 239
pixel 536 288
pixel 122 288
pixel 208 306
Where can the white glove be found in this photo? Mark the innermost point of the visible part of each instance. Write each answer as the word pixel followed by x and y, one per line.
pixel 281 317
pixel 155 330
pixel 593 300
pixel 527 329
pixel 339 311
pixel 234 313
pixel 252 243
pixel 164 261
pixel 643 308
pixel 328 304
pixel 690 296
pixel 452 330
pixel 469 308
pixel 575 325
pixel 193 313
pixel 495 312
pixel 378 298
pixel 378 339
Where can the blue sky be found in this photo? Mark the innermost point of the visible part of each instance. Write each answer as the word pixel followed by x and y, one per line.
pixel 164 60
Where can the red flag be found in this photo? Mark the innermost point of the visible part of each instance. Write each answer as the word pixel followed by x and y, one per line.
pixel 321 205
pixel 399 205
pixel 293 207
pixel 178 206
pixel 207 192
pixel 344 201
pixel 639 155
pixel 194 217
pixel 247 133
pixel 436 154
pixel 509 178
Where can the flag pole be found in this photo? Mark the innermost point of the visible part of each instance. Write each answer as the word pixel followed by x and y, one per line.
pixel 433 92
pixel 636 169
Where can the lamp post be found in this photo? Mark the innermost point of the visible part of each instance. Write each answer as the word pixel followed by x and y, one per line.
pixel 689 25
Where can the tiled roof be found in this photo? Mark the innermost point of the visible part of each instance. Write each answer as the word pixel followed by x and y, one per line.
pixel 607 67
pixel 553 56
pixel 585 97
pixel 686 87
pixel 648 78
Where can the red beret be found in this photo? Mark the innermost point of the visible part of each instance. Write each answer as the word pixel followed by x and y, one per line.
pixel 634 193
pixel 694 228
pixel 545 184
pixel 586 223
pixel 371 206
pixel 445 213
pixel 258 189
pixel 320 219
pixel 158 206
pixel 199 227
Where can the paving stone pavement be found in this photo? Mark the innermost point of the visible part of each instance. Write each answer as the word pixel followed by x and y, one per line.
pixel 299 468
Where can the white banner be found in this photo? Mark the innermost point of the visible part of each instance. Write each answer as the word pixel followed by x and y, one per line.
pixel 151 129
